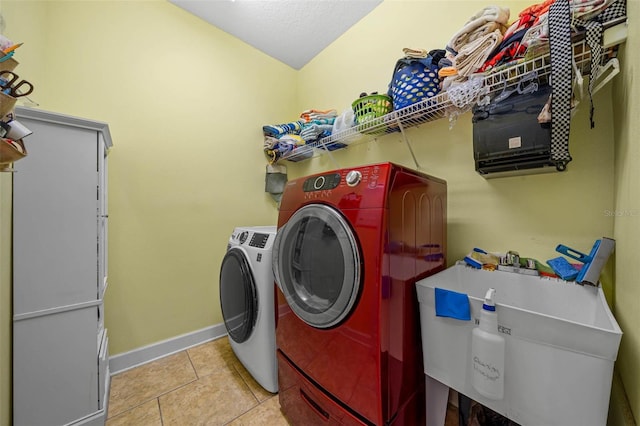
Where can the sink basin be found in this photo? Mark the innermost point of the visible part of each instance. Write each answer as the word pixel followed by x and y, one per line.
pixel 561 343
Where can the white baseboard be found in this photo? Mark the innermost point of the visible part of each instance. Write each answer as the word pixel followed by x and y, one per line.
pixel 127 360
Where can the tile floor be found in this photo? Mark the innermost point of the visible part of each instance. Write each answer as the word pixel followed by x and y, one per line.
pixel 203 385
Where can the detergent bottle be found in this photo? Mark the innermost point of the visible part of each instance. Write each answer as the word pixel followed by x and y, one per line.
pixel 487 351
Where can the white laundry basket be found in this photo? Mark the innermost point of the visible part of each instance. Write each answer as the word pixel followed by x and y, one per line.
pixel 561 345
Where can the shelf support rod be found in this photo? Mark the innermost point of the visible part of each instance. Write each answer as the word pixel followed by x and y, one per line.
pixel 406 141
pixel 333 160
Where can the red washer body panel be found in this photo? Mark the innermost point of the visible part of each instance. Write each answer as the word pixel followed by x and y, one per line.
pixel 369 365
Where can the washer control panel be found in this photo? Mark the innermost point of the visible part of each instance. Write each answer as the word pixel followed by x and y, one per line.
pixel 259 240
pixel 321 183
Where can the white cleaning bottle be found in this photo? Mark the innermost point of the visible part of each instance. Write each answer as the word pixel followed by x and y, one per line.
pixel 487 352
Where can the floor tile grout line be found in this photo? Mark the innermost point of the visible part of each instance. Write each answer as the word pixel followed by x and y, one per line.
pixel 192 366
pixel 155 397
pixel 258 402
pixel 247 411
pixel 166 392
pixel 160 411
pixel 247 385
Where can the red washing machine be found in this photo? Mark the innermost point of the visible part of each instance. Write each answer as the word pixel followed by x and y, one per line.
pixel 349 248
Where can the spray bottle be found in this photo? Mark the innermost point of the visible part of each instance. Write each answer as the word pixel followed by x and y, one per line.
pixel 487 352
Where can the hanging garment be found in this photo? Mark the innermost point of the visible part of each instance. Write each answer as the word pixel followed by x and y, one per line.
pixel 596 11
pixel 561 53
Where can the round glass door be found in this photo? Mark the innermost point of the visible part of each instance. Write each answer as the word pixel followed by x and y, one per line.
pixel 238 296
pixel 316 263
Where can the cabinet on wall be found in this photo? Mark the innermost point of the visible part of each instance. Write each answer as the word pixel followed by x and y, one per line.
pixel 60 219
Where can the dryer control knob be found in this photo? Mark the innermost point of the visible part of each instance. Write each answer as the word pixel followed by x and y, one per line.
pixel 353 178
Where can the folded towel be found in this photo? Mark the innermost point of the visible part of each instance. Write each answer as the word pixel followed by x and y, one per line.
pixel 277 130
pixel 492 13
pixel 312 132
pixel 488 14
pixel 415 53
pixel 316 114
pixel 473 55
pixel 295 140
pixel 485 29
pixel 452 304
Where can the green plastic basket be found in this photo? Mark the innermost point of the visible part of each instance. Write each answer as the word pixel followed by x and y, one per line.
pixel 369 109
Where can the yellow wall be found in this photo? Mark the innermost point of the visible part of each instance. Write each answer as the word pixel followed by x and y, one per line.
pixel 185 103
pixel 627 206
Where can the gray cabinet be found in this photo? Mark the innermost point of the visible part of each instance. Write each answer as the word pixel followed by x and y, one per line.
pixel 60 220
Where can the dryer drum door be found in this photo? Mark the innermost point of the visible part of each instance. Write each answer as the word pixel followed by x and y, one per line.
pixel 316 263
pixel 238 295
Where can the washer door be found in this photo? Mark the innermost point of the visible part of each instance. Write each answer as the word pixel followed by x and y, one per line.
pixel 238 295
pixel 316 263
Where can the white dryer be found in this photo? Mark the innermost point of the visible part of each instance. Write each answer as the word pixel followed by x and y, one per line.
pixel 247 301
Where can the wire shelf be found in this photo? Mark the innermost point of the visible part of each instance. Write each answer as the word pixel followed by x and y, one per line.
pixel 441 106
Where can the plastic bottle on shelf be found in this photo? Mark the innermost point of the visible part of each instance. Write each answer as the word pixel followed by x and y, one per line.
pixel 487 352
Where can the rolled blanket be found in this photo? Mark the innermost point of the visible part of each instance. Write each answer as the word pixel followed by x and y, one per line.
pixel 488 14
pixel 473 55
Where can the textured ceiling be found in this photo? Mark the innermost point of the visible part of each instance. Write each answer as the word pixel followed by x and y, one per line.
pixel 292 31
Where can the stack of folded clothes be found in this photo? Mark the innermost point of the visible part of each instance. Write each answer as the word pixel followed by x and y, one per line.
pixel 317 124
pixel 278 130
pixel 531 27
pixel 282 139
pixel 470 47
pixel 290 139
pixel 487 43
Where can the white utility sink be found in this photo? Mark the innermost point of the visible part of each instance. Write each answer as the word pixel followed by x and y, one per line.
pixel 561 342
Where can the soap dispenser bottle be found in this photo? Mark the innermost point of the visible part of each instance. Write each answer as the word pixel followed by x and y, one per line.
pixel 487 352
